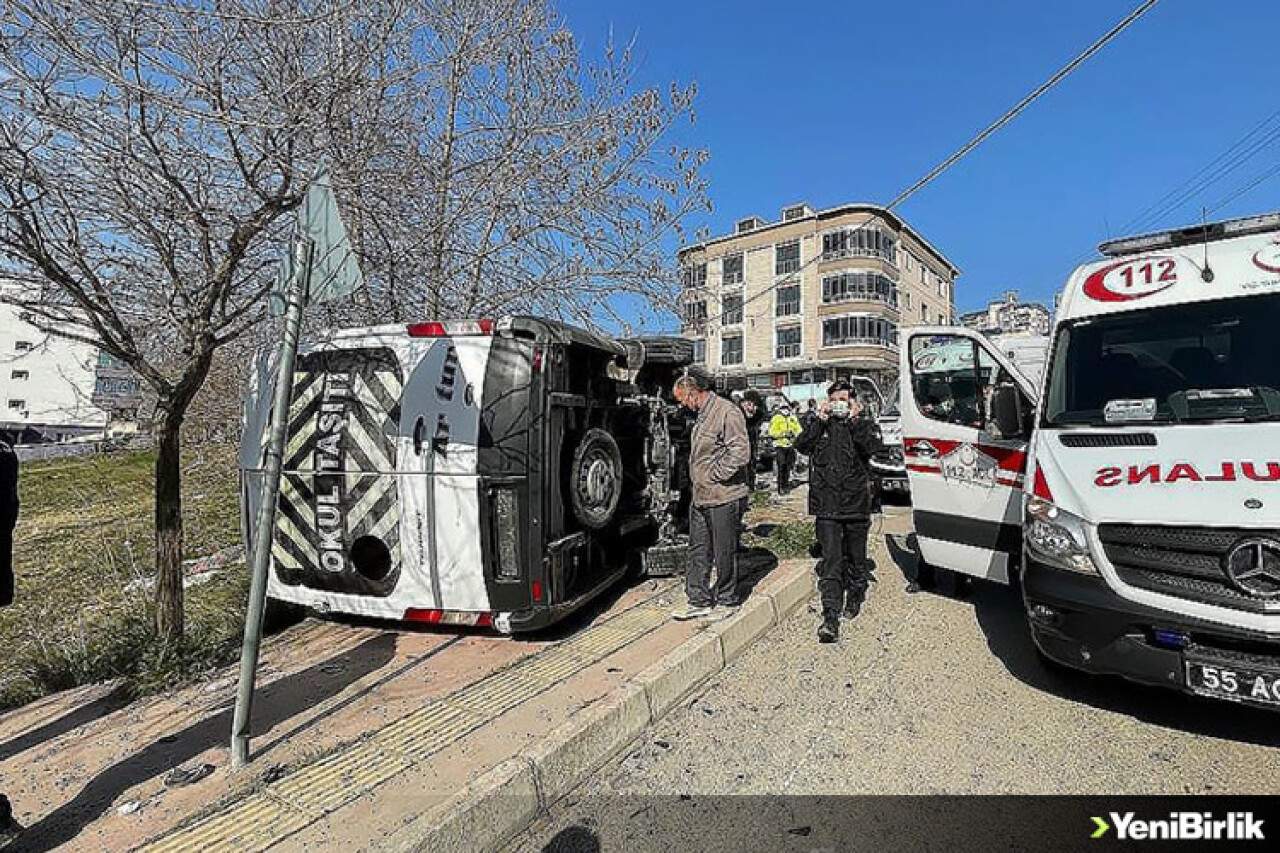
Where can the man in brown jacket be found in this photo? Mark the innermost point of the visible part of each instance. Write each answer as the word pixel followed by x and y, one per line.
pixel 718 457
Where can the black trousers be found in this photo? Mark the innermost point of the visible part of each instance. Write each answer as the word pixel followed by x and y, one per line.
pixel 713 538
pixel 843 568
pixel 786 460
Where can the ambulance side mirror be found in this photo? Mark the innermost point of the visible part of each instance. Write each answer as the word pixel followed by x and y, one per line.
pixel 1008 413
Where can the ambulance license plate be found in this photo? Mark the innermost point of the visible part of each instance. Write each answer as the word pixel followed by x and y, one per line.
pixel 1228 680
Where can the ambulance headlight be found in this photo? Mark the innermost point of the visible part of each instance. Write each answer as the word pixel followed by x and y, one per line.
pixel 1057 538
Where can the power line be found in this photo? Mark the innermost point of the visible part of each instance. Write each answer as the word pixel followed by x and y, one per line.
pixel 1024 103
pixel 1269 173
pixel 1230 160
pixel 1206 176
pixel 969 146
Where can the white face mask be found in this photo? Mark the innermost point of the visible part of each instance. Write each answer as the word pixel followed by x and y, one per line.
pixel 840 408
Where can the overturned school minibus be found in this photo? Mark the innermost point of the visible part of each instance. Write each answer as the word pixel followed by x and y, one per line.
pixel 471 473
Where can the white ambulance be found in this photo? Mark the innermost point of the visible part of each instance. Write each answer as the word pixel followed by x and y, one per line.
pixel 471 473
pixel 1136 489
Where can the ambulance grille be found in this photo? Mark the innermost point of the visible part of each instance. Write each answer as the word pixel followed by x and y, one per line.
pixel 1109 439
pixel 1185 562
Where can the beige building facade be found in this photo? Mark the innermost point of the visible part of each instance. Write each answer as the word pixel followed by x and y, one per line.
pixel 813 296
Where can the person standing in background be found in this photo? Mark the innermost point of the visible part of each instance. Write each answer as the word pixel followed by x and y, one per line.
pixel 784 428
pixel 753 413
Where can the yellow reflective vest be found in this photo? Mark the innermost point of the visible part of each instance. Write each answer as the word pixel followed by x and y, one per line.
pixel 783 429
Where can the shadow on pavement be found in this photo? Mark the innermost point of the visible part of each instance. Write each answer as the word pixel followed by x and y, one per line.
pixel 902 550
pixel 285 737
pixel 574 839
pixel 1002 619
pixel 274 704
pixel 73 719
pixel 754 565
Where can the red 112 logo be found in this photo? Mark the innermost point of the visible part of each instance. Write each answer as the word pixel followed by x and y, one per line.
pixel 1125 281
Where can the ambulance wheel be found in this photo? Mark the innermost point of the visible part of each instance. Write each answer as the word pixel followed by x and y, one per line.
pixel 595 479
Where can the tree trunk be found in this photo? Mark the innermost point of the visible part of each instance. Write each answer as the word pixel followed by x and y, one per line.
pixel 169 594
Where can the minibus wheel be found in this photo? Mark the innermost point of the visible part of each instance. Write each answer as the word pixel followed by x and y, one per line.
pixel 595 479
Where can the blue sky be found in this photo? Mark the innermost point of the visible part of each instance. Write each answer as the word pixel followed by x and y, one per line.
pixel 854 101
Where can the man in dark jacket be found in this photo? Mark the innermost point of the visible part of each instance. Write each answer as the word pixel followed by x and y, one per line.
pixel 9 827
pixel 839 445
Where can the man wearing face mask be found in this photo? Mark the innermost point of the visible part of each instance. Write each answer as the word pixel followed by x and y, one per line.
pixel 840 444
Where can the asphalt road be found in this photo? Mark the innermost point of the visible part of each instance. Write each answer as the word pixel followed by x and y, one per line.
pixel 923 694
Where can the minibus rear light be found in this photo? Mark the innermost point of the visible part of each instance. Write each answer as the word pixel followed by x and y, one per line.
pixel 448 617
pixel 437 329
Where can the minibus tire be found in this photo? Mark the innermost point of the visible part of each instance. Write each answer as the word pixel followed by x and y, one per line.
pixel 596 448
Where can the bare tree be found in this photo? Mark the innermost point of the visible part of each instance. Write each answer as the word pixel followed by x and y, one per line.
pixel 149 153
pixel 529 179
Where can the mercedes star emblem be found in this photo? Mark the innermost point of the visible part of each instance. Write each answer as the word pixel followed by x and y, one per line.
pixel 1253 566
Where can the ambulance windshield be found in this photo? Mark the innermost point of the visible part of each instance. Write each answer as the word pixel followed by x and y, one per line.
pixel 1194 362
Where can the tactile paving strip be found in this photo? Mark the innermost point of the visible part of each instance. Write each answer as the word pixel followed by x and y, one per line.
pixel 286 806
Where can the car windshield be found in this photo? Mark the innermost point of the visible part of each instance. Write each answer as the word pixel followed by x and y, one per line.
pixel 1195 362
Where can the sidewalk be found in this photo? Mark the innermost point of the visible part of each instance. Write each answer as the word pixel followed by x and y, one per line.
pixel 352 723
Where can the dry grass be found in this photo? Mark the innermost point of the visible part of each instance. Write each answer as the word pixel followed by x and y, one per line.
pixel 83 546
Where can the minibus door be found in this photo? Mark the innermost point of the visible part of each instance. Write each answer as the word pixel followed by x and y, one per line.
pixel 966 474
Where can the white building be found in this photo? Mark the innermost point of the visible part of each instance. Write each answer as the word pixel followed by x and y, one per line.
pixel 46 384
pixel 1008 316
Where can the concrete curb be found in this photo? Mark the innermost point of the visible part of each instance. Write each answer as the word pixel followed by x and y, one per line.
pixel 683 669
pixel 491 810
pixel 505 801
pixel 590 738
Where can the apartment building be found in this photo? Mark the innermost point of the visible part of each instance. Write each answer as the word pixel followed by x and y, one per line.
pixel 814 296
pixel 1008 316
pixel 46 383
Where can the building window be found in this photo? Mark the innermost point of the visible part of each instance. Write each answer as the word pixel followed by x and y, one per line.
pixel 788 300
pixel 20 375
pixel 906 300
pixel 795 212
pixel 731 350
pixel 859 286
pixel 859 329
pixel 695 313
pixel 700 351
pixel 731 314
pixel 942 320
pixel 859 243
pixel 732 266
pixel 942 287
pixel 17 405
pixel 788 343
pixel 924 313
pixel 786 257
pixel 22 346
pixel 693 276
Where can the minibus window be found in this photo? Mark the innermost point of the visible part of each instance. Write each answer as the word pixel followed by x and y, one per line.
pixel 504 415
